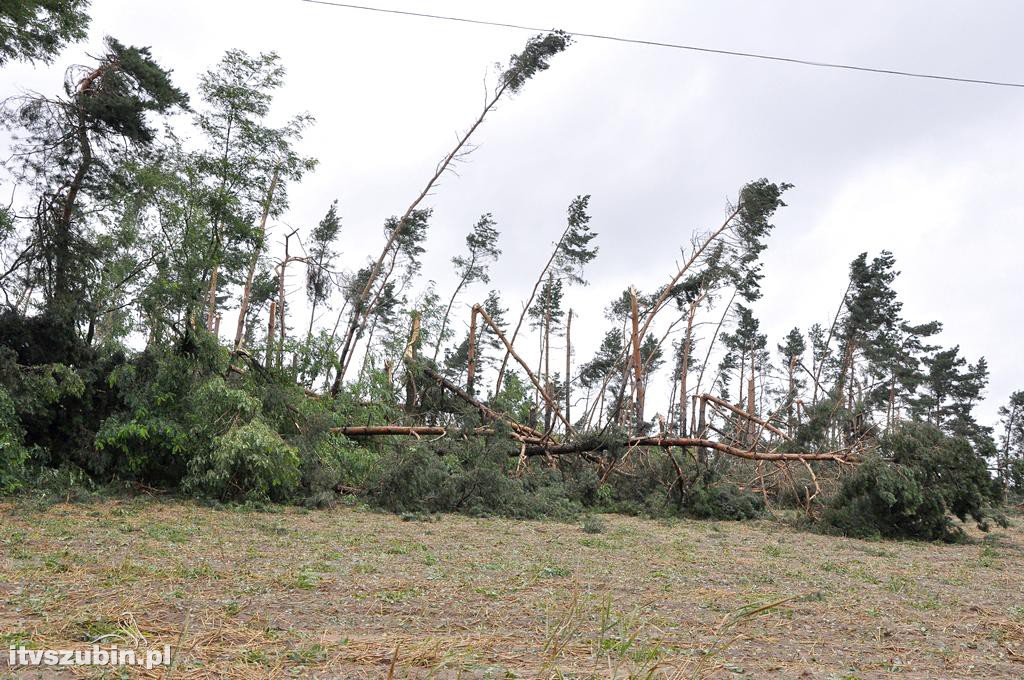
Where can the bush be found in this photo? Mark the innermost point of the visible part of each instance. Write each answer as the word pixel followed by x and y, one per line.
pixel 145 447
pixel 249 463
pixel 951 467
pixel 172 405
pixel 929 477
pixel 887 500
pixel 723 501
pixel 12 450
pixel 654 489
pixel 473 479
pixel 411 481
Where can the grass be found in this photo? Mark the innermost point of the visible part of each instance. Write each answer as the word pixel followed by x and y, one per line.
pixel 280 592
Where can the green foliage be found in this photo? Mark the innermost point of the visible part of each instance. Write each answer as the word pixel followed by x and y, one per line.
pixel 147 446
pixel 759 200
pixel 886 500
pixel 949 466
pixel 514 398
pixel 930 476
pixel 592 524
pixel 331 463
pixel 411 481
pixel 249 463
pixel 125 86
pixel 170 408
pixel 474 478
pixel 1009 456
pixel 574 250
pixel 653 488
pixel 12 450
pixel 723 501
pixel 535 57
pixel 36 30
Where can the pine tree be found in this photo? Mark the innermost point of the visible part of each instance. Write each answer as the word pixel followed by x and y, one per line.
pixel 792 353
pixel 1010 458
pixel 37 30
pixel 319 277
pixel 481 251
pixel 870 326
pixel 75 156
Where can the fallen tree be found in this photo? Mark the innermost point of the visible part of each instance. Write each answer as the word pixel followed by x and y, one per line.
pixel 594 445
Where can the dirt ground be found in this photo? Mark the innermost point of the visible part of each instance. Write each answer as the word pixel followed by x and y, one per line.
pixel 349 593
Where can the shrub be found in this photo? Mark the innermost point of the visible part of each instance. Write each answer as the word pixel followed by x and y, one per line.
pixel 12 450
pixel 473 479
pixel 411 481
pixel 723 501
pixel 146 447
pixel 887 500
pixel 951 467
pixel 654 489
pixel 249 463
pixel 172 405
pixel 929 477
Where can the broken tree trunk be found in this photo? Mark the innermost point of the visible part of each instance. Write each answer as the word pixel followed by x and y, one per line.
pixel 471 363
pixel 638 375
pixel 740 412
pixel 402 430
pixel 484 410
pixel 536 383
pixel 664 442
pixel 409 358
pixel 282 319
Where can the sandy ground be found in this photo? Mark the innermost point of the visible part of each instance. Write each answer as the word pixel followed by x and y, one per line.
pixel 348 593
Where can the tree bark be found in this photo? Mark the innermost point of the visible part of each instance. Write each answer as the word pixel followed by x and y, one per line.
pixel 243 307
pixel 270 334
pixel 664 442
pixel 638 382
pixel 471 362
pixel 568 365
pixel 684 367
pixel 409 358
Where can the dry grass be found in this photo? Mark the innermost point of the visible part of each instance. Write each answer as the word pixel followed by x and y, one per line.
pixel 242 594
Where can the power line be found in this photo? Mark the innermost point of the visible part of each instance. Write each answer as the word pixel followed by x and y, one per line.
pixel 676 46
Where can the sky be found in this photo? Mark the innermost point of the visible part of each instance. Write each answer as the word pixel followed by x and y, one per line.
pixel 661 139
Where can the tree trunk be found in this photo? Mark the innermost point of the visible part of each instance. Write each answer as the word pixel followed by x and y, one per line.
pixel 547 357
pixel 448 311
pixel 568 367
pixel 637 365
pixel 243 307
pixel 270 334
pixel 751 405
pixel 471 362
pixel 684 368
pixel 409 358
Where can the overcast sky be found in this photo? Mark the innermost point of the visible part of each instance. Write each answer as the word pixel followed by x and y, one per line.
pixel 660 138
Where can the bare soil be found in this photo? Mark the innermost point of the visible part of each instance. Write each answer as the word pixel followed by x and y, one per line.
pixel 349 593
